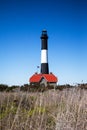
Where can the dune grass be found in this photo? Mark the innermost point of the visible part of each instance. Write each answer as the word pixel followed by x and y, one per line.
pixel 50 110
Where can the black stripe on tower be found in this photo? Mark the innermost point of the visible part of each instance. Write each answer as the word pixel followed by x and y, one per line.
pixel 44 44
pixel 44 39
pixel 44 49
pixel 44 68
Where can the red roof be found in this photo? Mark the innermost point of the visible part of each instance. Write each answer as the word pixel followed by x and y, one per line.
pixel 48 77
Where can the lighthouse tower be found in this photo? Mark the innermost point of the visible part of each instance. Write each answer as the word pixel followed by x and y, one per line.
pixel 44 53
pixel 44 77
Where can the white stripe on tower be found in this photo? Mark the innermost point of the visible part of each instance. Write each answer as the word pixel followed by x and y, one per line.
pixel 44 56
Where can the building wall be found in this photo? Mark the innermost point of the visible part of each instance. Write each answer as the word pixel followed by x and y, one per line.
pixel 43 82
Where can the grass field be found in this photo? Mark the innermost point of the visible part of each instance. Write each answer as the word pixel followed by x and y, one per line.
pixel 50 110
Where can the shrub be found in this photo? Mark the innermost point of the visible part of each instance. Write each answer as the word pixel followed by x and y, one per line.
pixel 3 87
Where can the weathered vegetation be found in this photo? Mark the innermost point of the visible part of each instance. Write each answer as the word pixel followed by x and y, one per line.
pixel 37 87
pixel 61 109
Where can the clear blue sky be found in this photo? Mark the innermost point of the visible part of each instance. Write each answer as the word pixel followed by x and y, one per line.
pixel 21 23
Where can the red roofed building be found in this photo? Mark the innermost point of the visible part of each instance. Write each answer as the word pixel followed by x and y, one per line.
pixel 44 79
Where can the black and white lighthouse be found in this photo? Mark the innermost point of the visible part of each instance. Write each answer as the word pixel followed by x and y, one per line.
pixel 44 77
pixel 44 53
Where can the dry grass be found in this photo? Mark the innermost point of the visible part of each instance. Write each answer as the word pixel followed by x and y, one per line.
pixel 51 110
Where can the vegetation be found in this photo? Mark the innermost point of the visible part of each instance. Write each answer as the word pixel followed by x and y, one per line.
pixel 61 109
pixel 37 87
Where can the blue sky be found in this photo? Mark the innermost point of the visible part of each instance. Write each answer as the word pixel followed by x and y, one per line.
pixel 21 23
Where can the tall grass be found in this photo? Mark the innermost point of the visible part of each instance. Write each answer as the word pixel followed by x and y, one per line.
pixel 51 110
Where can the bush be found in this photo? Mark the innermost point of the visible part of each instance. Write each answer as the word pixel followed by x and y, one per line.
pixel 3 87
pixel 61 87
pixel 82 86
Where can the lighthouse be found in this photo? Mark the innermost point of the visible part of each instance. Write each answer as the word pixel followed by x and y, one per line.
pixel 44 78
pixel 44 53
